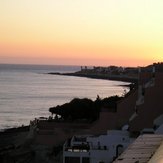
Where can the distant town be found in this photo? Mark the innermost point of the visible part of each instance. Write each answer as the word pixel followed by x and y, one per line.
pixel 128 74
pixel 118 73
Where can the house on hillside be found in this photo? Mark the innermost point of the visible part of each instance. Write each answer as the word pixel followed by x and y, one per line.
pixel 149 103
pixel 96 149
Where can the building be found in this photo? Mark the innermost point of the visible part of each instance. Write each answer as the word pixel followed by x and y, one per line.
pixel 149 103
pixel 147 147
pixel 96 149
pixel 141 150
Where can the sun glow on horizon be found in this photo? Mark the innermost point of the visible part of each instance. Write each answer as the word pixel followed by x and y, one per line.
pixel 80 32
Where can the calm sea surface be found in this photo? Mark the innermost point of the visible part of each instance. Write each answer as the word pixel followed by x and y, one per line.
pixel 26 91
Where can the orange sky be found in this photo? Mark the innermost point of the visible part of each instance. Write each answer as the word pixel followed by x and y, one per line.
pixel 80 32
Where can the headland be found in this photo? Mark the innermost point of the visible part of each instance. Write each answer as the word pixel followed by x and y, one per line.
pixel 128 74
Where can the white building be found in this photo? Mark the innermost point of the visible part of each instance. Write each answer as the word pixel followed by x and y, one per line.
pixel 148 147
pixel 144 148
pixel 91 149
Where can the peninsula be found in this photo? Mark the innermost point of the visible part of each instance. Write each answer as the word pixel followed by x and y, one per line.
pixel 128 74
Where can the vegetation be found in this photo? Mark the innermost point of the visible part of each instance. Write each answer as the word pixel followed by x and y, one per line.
pixel 110 103
pixel 85 108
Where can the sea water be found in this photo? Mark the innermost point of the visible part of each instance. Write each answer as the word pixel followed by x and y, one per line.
pixel 27 91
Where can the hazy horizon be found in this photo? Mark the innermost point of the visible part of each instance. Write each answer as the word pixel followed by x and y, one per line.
pixel 44 64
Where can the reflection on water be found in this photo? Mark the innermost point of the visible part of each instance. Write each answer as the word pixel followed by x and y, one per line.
pixel 28 93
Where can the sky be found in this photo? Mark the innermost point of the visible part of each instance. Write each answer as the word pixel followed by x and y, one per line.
pixel 81 32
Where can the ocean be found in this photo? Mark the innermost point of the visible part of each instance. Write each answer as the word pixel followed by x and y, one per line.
pixel 27 91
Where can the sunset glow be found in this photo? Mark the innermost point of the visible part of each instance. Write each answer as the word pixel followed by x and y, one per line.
pixel 80 32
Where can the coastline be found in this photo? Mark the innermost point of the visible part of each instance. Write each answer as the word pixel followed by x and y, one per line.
pixel 15 138
pixel 75 74
pixel 99 76
pixel 131 81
